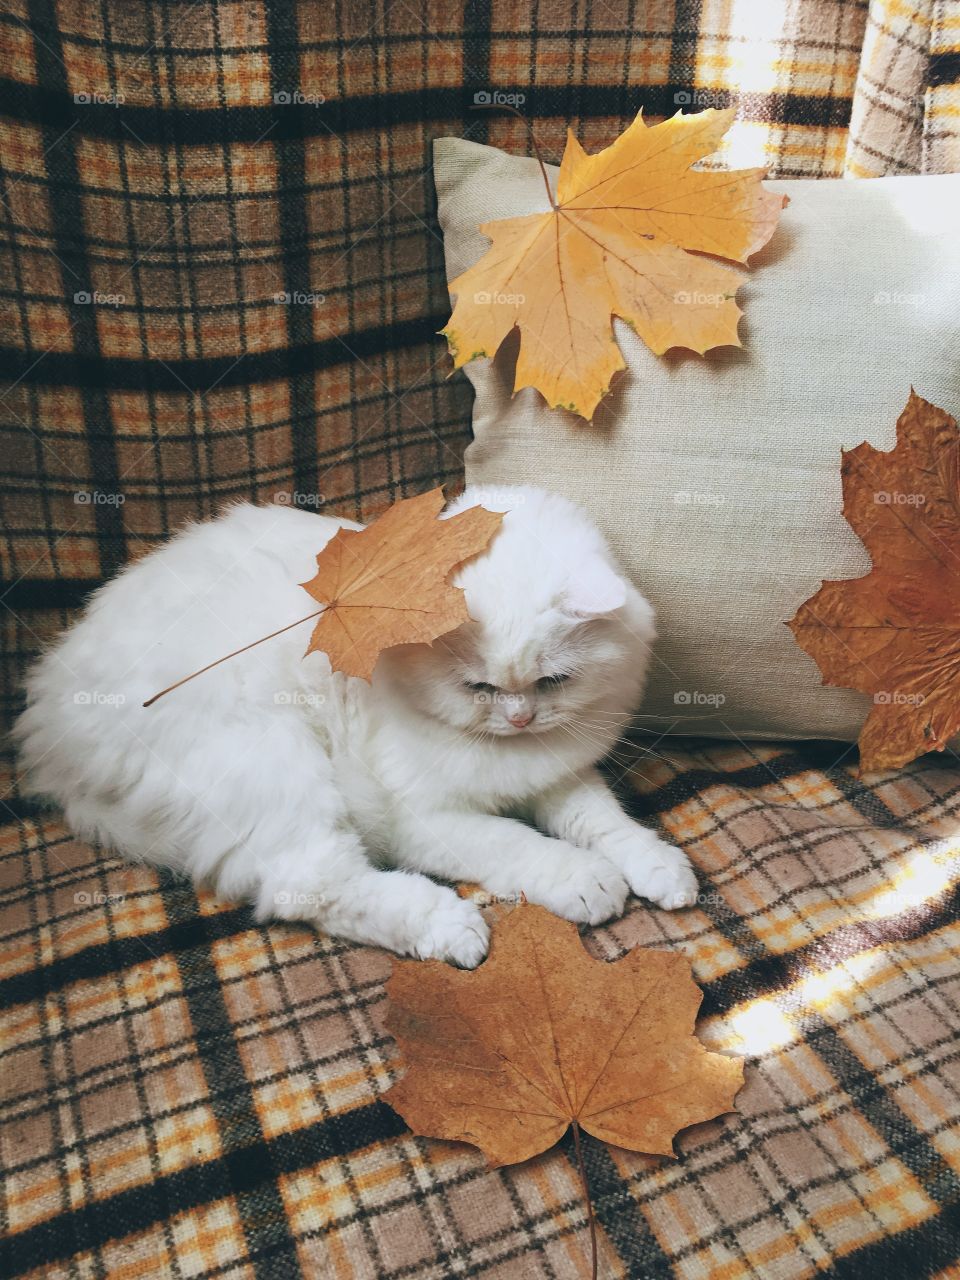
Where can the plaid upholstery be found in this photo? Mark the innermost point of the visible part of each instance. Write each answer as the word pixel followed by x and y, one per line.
pixel 167 176
pixel 941 132
pixel 906 109
pixel 184 1093
pixel 220 277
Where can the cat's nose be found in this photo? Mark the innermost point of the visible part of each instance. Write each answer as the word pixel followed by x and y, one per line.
pixel 520 719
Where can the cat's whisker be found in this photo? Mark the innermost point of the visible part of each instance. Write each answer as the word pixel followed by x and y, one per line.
pixel 610 753
pixel 630 753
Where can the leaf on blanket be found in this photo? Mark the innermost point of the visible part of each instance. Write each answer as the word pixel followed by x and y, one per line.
pixel 626 237
pixel 895 633
pixel 388 584
pixel 542 1036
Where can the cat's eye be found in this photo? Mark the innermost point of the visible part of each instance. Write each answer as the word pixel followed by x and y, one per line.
pixel 479 686
pixel 552 682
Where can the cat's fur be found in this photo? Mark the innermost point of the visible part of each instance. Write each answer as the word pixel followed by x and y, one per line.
pixel 320 797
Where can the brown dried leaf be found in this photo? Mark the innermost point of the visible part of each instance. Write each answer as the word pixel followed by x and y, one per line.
pixel 541 1035
pixel 895 633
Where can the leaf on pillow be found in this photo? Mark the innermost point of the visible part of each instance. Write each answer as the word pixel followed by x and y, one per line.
pixel 895 633
pixel 388 584
pixel 542 1036
pixel 626 237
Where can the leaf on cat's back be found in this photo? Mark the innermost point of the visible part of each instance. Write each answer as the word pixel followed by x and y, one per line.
pixel 542 1036
pixel 388 584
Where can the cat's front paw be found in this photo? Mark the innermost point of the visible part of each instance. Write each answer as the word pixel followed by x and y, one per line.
pixel 579 888
pixel 455 932
pixel 656 870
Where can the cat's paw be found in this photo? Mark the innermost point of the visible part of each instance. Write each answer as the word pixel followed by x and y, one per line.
pixel 455 932
pixel 656 870
pixel 580 888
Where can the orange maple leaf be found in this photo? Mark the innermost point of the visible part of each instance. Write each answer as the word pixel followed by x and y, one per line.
pixel 383 585
pixel 624 238
pixel 389 584
pixel 895 633
pixel 542 1036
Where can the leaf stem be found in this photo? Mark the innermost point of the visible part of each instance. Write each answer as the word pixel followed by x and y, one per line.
pixel 210 665
pixel 503 106
pixel 591 1219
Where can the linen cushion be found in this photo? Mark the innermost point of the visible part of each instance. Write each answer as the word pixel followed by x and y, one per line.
pixel 717 478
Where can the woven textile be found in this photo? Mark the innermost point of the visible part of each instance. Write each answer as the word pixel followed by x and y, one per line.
pixel 214 285
pixel 906 110
pixel 169 171
pixel 184 1093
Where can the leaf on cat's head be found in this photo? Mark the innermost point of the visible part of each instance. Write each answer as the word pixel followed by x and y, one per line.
pixel 388 584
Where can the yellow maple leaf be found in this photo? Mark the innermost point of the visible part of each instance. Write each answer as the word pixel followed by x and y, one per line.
pixel 625 237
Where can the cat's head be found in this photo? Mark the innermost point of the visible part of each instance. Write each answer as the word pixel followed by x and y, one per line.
pixel 557 637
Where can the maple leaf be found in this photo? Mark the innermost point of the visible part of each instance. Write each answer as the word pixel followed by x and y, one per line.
pixel 895 632
pixel 624 238
pixel 388 584
pixel 383 585
pixel 542 1036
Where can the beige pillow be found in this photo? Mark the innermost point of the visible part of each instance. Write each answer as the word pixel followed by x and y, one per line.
pixel 717 478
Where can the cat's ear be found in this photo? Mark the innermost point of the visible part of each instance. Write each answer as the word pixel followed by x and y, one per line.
pixel 594 590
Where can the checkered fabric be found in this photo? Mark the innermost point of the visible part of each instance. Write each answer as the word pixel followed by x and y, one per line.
pixel 906 109
pixel 183 1093
pixel 220 278
pixel 220 269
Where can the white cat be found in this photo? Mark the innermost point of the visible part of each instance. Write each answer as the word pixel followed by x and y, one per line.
pixel 323 798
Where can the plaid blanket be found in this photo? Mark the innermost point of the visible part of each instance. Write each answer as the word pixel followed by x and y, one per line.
pixel 220 278
pixel 186 1094
pixel 221 273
